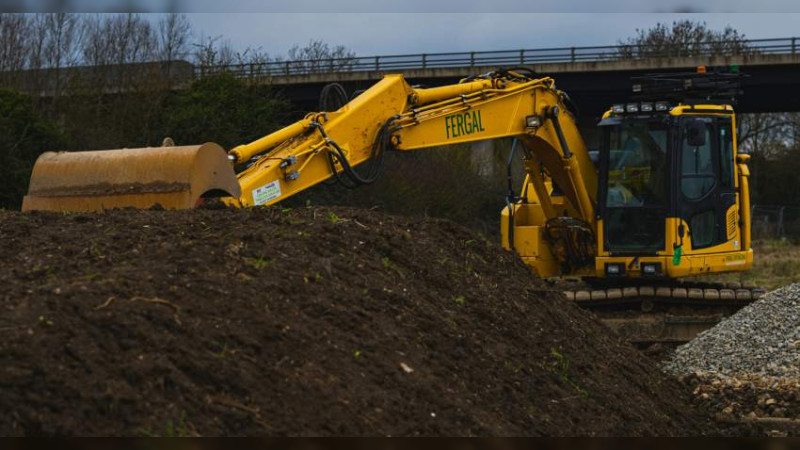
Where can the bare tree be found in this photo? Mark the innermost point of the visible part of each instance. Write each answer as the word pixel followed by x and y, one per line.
pixel 14 43
pixel 135 39
pixel 38 36
pixel 317 56
pixel 96 50
pixel 214 55
pixel 41 41
pixel 118 48
pixel 174 33
pixel 768 135
pixel 683 38
pixel 211 53
pixel 61 46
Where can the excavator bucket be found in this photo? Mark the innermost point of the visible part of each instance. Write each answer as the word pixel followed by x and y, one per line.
pixel 172 177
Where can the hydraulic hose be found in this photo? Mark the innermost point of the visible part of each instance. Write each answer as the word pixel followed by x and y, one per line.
pixel 349 177
pixel 511 198
pixel 332 97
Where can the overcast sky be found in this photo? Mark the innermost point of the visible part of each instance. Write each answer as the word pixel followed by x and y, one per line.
pixel 380 27
pixel 398 33
pixel 445 6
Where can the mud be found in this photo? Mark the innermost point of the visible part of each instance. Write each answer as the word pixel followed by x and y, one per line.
pixel 310 321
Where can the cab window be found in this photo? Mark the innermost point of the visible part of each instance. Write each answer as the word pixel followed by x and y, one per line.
pixel 726 153
pixel 697 166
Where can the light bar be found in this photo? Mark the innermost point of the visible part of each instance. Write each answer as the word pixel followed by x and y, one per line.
pixel 645 107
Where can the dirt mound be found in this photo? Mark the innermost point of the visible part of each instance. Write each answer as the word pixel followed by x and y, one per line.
pixel 304 322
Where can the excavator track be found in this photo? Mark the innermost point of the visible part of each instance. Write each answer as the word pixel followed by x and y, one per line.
pixel 666 315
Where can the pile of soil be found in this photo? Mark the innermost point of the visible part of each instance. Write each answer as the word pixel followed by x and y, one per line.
pixel 302 322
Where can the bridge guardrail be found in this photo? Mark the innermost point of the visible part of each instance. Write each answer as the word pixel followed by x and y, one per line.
pixel 504 58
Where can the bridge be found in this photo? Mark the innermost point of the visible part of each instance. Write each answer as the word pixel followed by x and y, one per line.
pixel 595 77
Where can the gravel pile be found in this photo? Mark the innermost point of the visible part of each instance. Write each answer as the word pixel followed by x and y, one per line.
pixel 762 338
pixel 746 370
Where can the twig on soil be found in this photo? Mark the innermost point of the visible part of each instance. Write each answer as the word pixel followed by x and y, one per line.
pixel 235 405
pixel 159 301
pixel 107 303
pixel 244 356
pixel 280 362
pixel 773 421
pixel 361 224
pixel 255 412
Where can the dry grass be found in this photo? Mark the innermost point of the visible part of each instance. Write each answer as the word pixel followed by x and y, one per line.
pixel 776 263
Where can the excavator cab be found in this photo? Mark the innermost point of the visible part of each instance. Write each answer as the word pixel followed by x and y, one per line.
pixel 673 194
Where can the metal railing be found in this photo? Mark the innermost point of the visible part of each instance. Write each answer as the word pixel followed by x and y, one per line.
pixel 388 63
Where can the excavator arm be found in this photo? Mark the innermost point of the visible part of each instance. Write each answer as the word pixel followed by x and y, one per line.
pixel 534 113
pixel 391 115
pixel 394 115
pixel 320 146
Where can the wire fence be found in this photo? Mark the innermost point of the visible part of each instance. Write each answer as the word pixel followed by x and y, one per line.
pixel 387 63
pixel 775 222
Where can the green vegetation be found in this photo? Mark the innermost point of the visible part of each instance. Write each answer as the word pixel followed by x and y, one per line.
pixel 134 88
pixel 559 365
pixel 222 109
pixel 333 217
pixel 25 135
pixel 774 176
pixel 776 263
pixel 179 428
pixel 258 263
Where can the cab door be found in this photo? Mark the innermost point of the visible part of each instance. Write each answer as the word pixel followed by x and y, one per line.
pixel 706 186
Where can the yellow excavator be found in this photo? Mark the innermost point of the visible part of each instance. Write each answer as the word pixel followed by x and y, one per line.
pixel 666 198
